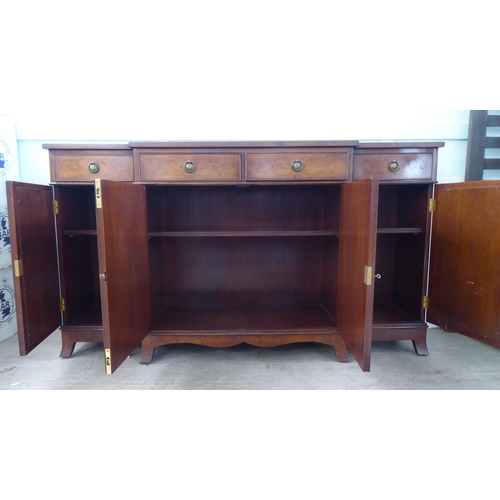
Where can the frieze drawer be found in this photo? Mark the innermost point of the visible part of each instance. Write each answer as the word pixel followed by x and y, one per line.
pixel 187 167
pixel 68 166
pixel 393 166
pixel 298 166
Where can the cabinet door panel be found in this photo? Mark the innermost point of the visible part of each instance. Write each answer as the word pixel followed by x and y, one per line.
pixel 358 235
pixel 464 287
pixel 123 268
pixel 33 242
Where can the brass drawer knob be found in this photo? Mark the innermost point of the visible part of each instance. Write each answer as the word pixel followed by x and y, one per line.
pixel 393 166
pixel 189 167
pixel 297 166
pixel 94 167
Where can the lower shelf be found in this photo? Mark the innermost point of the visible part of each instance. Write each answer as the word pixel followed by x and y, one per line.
pixel 388 315
pixel 224 327
pixel 90 318
pixel 247 319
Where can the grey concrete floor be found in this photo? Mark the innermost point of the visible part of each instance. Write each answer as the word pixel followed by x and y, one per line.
pixel 455 362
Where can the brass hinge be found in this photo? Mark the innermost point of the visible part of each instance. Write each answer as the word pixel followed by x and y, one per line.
pixel 18 268
pixel 98 195
pixel 426 302
pixel 368 275
pixel 432 205
pixel 56 207
pixel 108 361
pixel 62 305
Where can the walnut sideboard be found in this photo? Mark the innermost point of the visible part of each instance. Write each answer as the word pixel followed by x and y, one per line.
pixel 219 243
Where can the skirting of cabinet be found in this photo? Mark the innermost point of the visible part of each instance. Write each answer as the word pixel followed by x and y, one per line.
pixel 70 336
pixel 259 339
pixel 225 327
pixel 418 336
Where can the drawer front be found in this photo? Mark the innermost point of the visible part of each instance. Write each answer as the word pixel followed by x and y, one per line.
pixel 187 167
pixel 85 167
pixel 393 166
pixel 298 166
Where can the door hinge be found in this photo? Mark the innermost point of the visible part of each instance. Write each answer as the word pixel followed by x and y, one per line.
pixel 18 268
pixel 108 361
pixel 98 195
pixel 55 205
pixel 368 275
pixel 426 302
pixel 62 305
pixel 432 205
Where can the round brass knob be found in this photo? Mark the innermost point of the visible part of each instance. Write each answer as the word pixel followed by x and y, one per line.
pixel 189 167
pixel 297 166
pixel 94 167
pixel 393 166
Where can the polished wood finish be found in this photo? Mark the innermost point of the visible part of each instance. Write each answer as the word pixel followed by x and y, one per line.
pixel 73 166
pixel 260 339
pixel 161 166
pixel 419 165
pixel 242 144
pixel 244 249
pixel 269 165
pixel 123 268
pixel 464 287
pixel 77 255
pixel 71 336
pixel 33 241
pixel 82 146
pixel 358 223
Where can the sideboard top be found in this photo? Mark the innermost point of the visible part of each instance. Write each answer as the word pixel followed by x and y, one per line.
pixel 243 144
pixel 240 144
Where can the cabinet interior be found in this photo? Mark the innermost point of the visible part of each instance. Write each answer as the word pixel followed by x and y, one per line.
pixel 248 258
pixel 243 258
pixel 78 256
pixel 401 254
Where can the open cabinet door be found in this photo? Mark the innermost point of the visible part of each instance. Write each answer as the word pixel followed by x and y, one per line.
pixel 34 258
pixel 123 268
pixel 358 239
pixel 464 284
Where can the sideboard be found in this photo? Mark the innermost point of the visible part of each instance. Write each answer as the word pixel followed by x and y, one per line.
pixel 220 243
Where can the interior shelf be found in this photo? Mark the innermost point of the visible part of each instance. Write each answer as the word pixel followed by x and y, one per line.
pixel 400 230
pixel 243 319
pixel 80 232
pixel 239 233
pixel 387 315
pixel 92 317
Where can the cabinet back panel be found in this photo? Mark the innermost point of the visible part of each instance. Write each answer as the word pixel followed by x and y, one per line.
pixel 80 275
pixel 239 272
pixel 400 263
pixel 76 207
pixel 403 206
pixel 226 208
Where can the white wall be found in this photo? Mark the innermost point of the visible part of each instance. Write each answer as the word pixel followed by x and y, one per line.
pixel 448 126
pixel 197 70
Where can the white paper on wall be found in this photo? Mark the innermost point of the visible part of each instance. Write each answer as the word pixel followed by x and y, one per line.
pixel 8 323
pixel 9 170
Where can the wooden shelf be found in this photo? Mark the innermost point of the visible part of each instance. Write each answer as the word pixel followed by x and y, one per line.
pixel 232 234
pixel 80 232
pixel 399 230
pixel 243 320
pixel 388 315
pixel 91 318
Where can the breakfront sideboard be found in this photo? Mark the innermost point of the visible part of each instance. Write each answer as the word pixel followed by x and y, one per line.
pixel 220 243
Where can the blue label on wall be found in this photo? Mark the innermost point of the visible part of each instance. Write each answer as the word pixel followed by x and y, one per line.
pixel 4 234
pixel 7 306
pixel 5 159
